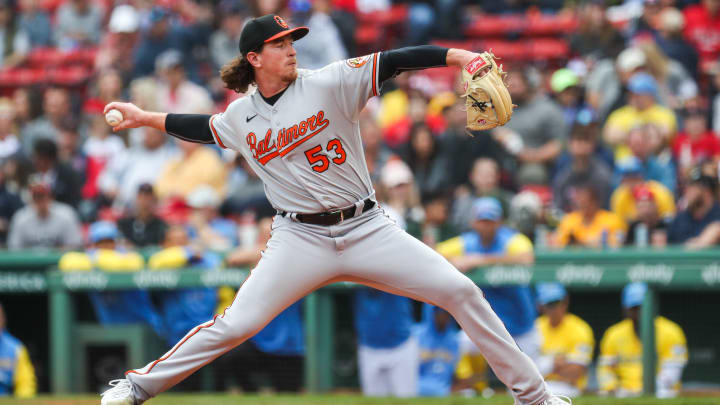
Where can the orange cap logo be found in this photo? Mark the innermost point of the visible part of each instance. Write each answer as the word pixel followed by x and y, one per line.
pixel 281 22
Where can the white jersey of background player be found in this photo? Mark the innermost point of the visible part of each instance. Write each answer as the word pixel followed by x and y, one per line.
pixel 300 133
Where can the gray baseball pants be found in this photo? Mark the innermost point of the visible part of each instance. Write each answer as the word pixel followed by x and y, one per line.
pixel 369 249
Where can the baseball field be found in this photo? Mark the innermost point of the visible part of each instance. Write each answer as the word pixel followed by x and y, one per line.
pixel 224 399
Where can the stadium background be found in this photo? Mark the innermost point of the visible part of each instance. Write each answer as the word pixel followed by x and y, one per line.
pixel 61 65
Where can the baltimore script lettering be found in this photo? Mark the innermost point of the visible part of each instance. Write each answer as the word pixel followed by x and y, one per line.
pixel 287 139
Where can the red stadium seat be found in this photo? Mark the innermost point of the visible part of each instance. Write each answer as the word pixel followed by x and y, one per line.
pixel 49 57
pixel 44 57
pixel 378 29
pixel 70 76
pixel 367 35
pixel 398 13
pixel 547 24
pixel 486 26
pixel 21 77
pixel 395 15
pixel 471 45
pixel 508 50
pixel 51 5
pixel 85 56
pixel 543 49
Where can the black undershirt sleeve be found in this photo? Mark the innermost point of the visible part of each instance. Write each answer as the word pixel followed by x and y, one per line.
pixel 189 127
pixel 396 61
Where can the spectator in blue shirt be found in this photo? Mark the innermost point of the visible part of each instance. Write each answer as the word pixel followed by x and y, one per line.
pixel 17 375
pixel 387 353
pixel 702 209
pixel 78 23
pixel 210 229
pixel 645 143
pixel 36 23
pixel 14 41
pixel 162 34
pixel 439 342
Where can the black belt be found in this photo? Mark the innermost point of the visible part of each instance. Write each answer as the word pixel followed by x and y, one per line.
pixel 330 217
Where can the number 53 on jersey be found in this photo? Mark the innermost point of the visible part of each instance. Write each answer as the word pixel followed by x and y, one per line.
pixel 320 161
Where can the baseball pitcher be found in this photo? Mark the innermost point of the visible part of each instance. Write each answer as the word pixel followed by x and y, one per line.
pixel 299 131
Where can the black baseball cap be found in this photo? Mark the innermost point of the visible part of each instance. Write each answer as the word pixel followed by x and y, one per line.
pixel 264 29
pixel 146 188
pixel 702 179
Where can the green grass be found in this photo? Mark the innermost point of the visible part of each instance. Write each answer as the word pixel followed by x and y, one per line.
pixel 225 399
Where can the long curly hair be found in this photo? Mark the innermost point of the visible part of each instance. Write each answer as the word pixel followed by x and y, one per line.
pixel 238 74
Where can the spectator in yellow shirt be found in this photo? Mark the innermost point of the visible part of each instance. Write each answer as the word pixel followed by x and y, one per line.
pixel 589 225
pixel 620 363
pixel 622 200
pixel 567 342
pixel 197 165
pixel 641 109
pixel 17 375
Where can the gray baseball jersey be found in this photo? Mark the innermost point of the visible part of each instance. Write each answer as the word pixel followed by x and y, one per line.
pixel 306 148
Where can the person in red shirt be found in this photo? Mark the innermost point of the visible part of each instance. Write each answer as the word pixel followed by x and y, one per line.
pixel 695 144
pixel 702 29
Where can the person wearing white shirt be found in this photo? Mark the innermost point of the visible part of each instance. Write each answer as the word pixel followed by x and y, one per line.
pixel 126 171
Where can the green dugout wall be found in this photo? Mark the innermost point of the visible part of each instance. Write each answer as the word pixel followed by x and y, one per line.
pixel 685 287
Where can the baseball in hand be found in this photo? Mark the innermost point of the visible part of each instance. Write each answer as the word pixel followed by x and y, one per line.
pixel 113 117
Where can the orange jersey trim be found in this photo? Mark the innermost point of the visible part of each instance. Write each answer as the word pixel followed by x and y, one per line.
pixel 215 134
pixel 196 330
pixel 177 346
pixel 374 74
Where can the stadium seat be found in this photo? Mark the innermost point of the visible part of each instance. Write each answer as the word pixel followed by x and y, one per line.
pixel 21 77
pixel 470 44
pixel 509 51
pixel 367 35
pixel 549 24
pixel 378 29
pixel 543 49
pixel 51 5
pixel 43 57
pixel 486 26
pixel 395 15
pixel 49 57
pixel 69 76
pixel 84 56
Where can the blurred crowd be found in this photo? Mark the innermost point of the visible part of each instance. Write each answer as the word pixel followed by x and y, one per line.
pixel 614 142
